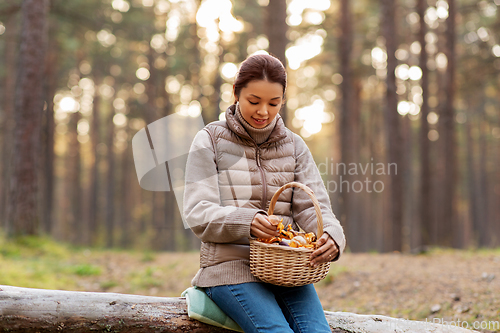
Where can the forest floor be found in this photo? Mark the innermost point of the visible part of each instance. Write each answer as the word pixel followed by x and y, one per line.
pixel 454 287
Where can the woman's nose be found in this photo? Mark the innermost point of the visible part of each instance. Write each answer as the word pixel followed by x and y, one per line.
pixel 262 110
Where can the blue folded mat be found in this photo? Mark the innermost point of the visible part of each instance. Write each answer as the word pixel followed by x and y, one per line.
pixel 202 308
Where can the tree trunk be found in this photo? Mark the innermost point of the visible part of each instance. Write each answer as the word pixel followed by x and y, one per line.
pixel 23 215
pixel 353 213
pixel 110 181
pixel 126 203
pixel 496 196
pixel 169 205
pixel 151 114
pixel 73 181
pixel 409 187
pixel 37 310
pixel 425 170
pixel 89 230
pixel 483 183
pixel 171 230
pixel 276 29
pixel 394 138
pixel 215 98
pixel 346 109
pixel 48 156
pixel 7 129
pixel 471 178
pixel 376 228
pixel 481 197
pixel 448 128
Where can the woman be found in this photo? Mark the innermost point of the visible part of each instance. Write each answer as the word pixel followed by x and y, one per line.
pixel 233 169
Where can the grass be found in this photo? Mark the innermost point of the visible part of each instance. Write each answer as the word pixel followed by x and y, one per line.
pixel 39 262
pixel 85 270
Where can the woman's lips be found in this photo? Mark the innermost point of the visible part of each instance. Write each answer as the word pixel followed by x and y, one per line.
pixel 259 121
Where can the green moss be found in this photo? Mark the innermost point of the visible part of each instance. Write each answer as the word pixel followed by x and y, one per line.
pixel 85 270
pixel 39 262
pixel 32 246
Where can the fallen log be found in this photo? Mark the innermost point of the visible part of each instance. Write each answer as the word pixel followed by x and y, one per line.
pixel 39 310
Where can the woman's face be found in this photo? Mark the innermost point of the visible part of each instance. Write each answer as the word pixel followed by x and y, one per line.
pixel 260 102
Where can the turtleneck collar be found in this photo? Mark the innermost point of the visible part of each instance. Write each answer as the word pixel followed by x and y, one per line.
pixel 259 135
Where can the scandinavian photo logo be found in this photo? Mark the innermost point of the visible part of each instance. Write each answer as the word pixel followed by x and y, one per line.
pixel 356 177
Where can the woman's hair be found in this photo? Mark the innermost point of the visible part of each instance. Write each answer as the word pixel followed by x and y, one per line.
pixel 260 67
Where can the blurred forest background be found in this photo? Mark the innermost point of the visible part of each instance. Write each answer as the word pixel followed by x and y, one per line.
pixel 412 83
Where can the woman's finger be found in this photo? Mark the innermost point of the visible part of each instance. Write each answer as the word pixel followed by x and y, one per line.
pixel 262 228
pixel 260 234
pixel 325 257
pixel 323 246
pixel 266 226
pixel 326 252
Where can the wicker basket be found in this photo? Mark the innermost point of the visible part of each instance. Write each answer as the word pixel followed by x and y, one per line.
pixel 287 266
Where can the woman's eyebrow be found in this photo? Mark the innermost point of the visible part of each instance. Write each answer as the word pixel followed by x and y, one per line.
pixel 260 98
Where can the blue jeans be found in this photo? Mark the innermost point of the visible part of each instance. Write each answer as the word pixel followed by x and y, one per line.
pixel 262 307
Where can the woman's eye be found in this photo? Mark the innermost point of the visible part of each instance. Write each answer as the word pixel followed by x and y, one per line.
pixel 253 103
pixel 273 104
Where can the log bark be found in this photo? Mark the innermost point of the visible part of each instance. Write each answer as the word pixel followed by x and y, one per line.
pixel 38 310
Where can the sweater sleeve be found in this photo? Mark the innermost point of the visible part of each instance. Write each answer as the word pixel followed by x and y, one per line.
pixel 307 173
pixel 202 209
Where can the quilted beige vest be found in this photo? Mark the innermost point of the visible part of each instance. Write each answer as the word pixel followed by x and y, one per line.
pixel 249 175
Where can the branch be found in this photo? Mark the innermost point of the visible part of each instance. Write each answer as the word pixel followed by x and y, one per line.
pixel 38 310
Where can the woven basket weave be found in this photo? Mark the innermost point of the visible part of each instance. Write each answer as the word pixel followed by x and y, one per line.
pixel 283 265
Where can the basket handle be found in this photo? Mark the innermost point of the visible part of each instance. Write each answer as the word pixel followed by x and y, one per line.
pixel 309 192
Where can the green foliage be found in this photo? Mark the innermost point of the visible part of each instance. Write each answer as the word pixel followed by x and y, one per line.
pixel 32 246
pixel 85 270
pixel 40 262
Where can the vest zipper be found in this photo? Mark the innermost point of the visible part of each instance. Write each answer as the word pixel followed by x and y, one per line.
pixel 263 202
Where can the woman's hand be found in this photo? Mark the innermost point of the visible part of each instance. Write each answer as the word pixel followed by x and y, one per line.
pixel 262 228
pixel 327 250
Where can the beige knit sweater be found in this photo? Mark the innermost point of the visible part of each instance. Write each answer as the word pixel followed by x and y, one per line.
pixel 225 229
